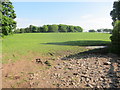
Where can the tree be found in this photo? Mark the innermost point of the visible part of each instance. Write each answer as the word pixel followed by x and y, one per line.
pixel 99 30
pixel 8 15
pixel 17 30
pixel 34 29
pixel 40 29
pixel 115 38
pixel 70 28
pixel 92 30
pixel 62 28
pixel 45 28
pixel 78 28
pixel 52 28
pixel 22 30
pixel 26 30
pixel 115 13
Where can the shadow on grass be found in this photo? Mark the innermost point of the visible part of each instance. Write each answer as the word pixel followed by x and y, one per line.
pixel 82 43
pixel 101 51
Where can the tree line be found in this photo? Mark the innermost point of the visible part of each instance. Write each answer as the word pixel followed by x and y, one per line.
pixel 49 28
pixel 101 30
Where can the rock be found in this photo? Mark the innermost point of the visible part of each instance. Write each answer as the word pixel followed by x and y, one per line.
pixel 89 85
pixel 70 68
pixel 102 76
pixel 84 72
pixel 107 63
pixel 85 76
pixel 98 86
pixel 75 73
pixel 58 64
pixel 118 61
pixel 64 58
pixel 111 75
pixel 6 75
pixel 38 60
pixel 55 74
pixel 59 67
pixel 55 67
pixel 77 62
pixel 101 79
pixel 87 79
pixel 17 77
pixel 118 65
pixel 52 54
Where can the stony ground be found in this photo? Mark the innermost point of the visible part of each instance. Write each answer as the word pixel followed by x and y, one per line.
pixel 79 71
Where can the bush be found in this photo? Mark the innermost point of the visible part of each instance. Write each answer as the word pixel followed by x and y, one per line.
pixel 115 38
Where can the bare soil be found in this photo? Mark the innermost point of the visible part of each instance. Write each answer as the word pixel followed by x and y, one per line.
pixel 76 71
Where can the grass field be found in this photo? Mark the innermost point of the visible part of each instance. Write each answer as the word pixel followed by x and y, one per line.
pixel 30 45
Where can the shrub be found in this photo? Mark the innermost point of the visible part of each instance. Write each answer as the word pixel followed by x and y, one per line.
pixel 115 38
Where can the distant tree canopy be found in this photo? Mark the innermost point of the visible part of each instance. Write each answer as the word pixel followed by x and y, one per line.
pixel 7 16
pixel 92 30
pixel 105 30
pixel 115 13
pixel 50 28
pixel 62 28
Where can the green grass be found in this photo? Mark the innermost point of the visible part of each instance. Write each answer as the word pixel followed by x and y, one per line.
pixel 40 44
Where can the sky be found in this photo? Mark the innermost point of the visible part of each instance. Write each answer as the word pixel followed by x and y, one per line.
pixel 87 14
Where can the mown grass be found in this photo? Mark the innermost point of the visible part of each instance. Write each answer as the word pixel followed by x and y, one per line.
pixel 28 45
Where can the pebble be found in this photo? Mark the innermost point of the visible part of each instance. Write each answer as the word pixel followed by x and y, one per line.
pixel 70 68
pixel 107 63
pixel 101 79
pixel 89 85
pixel 75 73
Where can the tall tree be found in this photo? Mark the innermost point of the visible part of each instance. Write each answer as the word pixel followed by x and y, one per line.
pixel 115 38
pixel 8 15
pixel 115 13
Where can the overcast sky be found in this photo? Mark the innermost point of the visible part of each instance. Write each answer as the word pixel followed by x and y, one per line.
pixel 89 15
